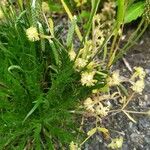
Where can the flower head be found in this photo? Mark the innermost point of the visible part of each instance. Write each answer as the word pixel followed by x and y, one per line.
pixel 139 72
pixel 73 146
pixel 116 143
pixel 72 55
pixel 138 86
pixel 3 2
pixel 102 110
pixel 88 104
pixel 87 78
pixel 32 34
pixel 80 63
pixel 80 2
pixel 114 79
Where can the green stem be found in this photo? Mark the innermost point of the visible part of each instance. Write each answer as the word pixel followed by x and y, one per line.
pixel 119 22
pixel 95 4
pixel 131 41
pixel 120 13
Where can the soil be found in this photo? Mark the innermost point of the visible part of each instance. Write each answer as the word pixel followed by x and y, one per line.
pixel 136 135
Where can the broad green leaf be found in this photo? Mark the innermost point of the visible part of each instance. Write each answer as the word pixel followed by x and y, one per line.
pixel 134 11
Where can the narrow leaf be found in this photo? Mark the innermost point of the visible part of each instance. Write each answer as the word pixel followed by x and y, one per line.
pixel 37 103
pixel 129 116
pixel 71 33
pixel 92 131
pixel 55 52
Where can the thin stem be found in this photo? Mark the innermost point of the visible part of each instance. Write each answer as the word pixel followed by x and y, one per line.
pixel 89 25
pixel 137 37
pixel 112 55
pixel 129 99
pixel 71 18
pixel 131 40
pixel 135 112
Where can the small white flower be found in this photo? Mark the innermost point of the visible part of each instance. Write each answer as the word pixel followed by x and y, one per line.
pixel 87 78
pixel 32 34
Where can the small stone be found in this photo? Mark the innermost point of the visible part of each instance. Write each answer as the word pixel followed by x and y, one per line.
pixel 136 138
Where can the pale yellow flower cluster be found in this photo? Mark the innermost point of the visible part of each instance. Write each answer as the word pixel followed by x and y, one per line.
pixel 73 146
pixel 72 55
pixel 89 104
pixel 80 2
pixel 96 107
pixel 139 72
pixel 115 79
pixel 102 110
pixel 104 22
pixel 32 34
pixel 80 63
pixel 138 85
pixel 87 78
pixel 116 143
pixel 3 2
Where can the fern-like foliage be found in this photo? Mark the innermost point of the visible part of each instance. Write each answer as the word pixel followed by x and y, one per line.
pixel 37 88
